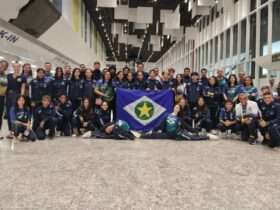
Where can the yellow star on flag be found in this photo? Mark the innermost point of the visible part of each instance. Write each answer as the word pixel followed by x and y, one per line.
pixel 144 110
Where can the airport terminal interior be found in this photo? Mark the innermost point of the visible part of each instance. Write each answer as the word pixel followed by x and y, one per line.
pixel 139 104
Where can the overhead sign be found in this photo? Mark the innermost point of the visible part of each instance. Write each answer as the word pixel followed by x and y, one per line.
pixel 10 37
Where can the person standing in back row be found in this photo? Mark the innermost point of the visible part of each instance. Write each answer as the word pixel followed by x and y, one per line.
pixel 194 89
pixel 3 88
pixel 16 87
pixel 97 75
pixel 76 88
pixel 48 73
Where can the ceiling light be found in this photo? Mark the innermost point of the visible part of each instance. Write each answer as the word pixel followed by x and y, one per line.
pixel 102 24
pixel 100 17
pixel 96 9
pixel 2 58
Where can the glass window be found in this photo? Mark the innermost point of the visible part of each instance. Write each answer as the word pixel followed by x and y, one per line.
pixel 263 1
pixel 211 51
pixel 235 39
pixel 222 46
pixel 82 19
pixel 198 60
pixel 243 35
pixel 253 5
pixel 86 28
pixel 275 27
pixel 90 34
pixel 253 35
pixel 264 32
pixel 263 73
pixel 212 12
pixel 216 49
pixel 228 43
pixel 206 54
pixel 202 55
pixel 253 69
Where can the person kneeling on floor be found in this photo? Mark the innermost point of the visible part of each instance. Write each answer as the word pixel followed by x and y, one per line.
pixel 44 119
pixel 83 119
pixel 171 128
pixel 269 123
pixel 227 119
pixel 64 115
pixel 107 128
pixel 247 113
pixel 21 120
pixel 201 116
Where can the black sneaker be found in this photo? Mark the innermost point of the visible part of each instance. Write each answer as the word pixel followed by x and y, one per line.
pixel 253 141
pixel 265 142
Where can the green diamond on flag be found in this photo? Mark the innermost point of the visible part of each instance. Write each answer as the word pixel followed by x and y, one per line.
pixel 144 110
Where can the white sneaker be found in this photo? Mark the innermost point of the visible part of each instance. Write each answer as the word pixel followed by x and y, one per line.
pixel 12 145
pixel 87 135
pixel 235 136
pixel 214 132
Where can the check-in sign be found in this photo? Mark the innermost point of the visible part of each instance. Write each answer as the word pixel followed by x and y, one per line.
pixel 8 36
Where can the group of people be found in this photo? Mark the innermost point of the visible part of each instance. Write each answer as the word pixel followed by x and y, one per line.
pixel 82 102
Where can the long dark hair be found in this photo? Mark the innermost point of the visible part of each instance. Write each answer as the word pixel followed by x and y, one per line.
pixel 204 105
pixel 215 79
pixel 248 77
pixel 89 109
pixel 182 79
pixel 30 70
pixel 56 72
pixel 236 80
pixel 103 77
pixel 73 73
pixel 25 103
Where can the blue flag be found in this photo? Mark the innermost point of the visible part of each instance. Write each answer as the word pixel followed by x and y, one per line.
pixel 142 110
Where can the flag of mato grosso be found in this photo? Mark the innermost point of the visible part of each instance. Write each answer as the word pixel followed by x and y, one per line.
pixel 143 110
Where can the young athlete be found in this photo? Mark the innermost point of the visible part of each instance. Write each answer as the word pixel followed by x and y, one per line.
pixel 59 85
pixel 64 111
pixel 76 88
pixel 227 118
pixel 44 119
pixel 15 87
pixel 84 118
pixel 152 84
pixel 39 88
pixel 250 89
pixel 269 122
pixel 201 115
pixel 139 82
pixel 213 97
pixel 21 120
pixel 106 128
pixel 171 128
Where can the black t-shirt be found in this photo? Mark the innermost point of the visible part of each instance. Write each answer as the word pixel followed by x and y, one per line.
pixel 14 84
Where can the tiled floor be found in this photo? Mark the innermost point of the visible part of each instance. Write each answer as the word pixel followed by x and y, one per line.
pixel 102 174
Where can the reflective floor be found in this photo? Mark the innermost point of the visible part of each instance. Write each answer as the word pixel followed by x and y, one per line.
pixel 103 174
